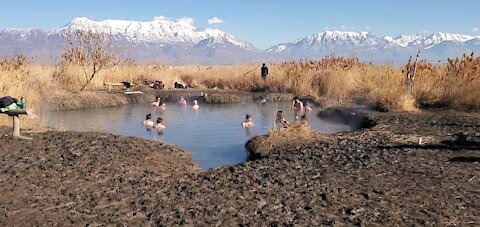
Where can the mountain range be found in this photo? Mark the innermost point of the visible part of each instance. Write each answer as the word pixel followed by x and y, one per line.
pixel 168 41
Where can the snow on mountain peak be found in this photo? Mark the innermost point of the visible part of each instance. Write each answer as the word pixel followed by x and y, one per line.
pixel 336 33
pixel 81 20
pixel 335 40
pixel 180 41
pixel 160 29
pixel 388 38
pixel 429 40
pixel 328 40
pixel 350 38
pixel 439 37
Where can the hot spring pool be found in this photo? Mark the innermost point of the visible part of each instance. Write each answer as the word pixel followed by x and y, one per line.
pixel 212 134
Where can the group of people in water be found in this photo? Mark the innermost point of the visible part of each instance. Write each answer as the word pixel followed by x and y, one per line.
pixel 299 108
pixel 148 122
pixel 300 112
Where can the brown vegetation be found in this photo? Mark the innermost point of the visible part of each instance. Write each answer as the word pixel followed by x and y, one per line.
pixel 453 85
pixel 297 133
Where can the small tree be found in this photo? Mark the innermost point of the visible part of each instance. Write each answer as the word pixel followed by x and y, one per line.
pixel 93 51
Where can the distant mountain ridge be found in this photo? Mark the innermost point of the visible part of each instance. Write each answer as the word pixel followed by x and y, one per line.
pixel 179 42
pixel 369 47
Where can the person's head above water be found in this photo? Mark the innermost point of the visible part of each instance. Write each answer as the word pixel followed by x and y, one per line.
pixel 195 102
pixel 248 122
pixel 159 120
pixel 148 117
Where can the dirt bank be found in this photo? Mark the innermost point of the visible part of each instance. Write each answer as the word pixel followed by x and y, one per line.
pixel 377 176
pixel 66 178
pixel 103 98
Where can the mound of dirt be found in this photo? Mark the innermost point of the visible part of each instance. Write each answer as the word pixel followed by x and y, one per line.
pixel 409 169
pixel 61 178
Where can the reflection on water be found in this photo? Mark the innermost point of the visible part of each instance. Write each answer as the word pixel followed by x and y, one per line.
pixel 212 133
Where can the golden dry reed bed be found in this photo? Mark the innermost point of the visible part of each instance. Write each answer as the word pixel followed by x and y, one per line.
pixel 453 85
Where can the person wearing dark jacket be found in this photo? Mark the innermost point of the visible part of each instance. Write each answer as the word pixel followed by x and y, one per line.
pixel 264 71
pixel 178 85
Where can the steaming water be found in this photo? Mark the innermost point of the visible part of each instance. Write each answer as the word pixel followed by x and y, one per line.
pixel 212 134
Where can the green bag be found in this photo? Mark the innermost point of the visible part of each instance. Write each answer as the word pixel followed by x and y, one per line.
pixel 12 106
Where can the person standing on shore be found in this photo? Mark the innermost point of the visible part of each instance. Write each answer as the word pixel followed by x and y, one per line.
pixel 264 71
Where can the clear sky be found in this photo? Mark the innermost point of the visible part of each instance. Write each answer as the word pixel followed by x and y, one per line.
pixel 263 23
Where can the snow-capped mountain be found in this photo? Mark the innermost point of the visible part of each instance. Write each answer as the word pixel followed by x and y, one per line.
pixel 369 47
pixel 162 39
pixel 431 40
pixel 329 41
pixel 160 30
pixel 178 41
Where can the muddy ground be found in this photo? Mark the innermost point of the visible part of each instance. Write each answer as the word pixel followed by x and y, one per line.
pixel 377 176
pixel 71 178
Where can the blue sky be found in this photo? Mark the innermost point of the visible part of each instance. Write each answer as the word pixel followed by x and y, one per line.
pixel 263 23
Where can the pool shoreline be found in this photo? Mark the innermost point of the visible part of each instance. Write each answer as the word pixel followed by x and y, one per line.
pixel 104 98
pixel 205 132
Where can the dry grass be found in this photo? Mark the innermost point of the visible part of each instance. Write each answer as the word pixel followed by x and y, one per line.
pixel 453 85
pixel 384 88
pixel 262 146
pixel 21 78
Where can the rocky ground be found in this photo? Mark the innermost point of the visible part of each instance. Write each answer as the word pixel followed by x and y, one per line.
pixel 377 176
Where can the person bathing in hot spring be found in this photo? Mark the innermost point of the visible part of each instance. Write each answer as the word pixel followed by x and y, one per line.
pixel 148 121
pixel 248 122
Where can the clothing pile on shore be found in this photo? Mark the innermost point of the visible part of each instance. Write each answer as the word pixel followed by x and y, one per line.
pixel 9 103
